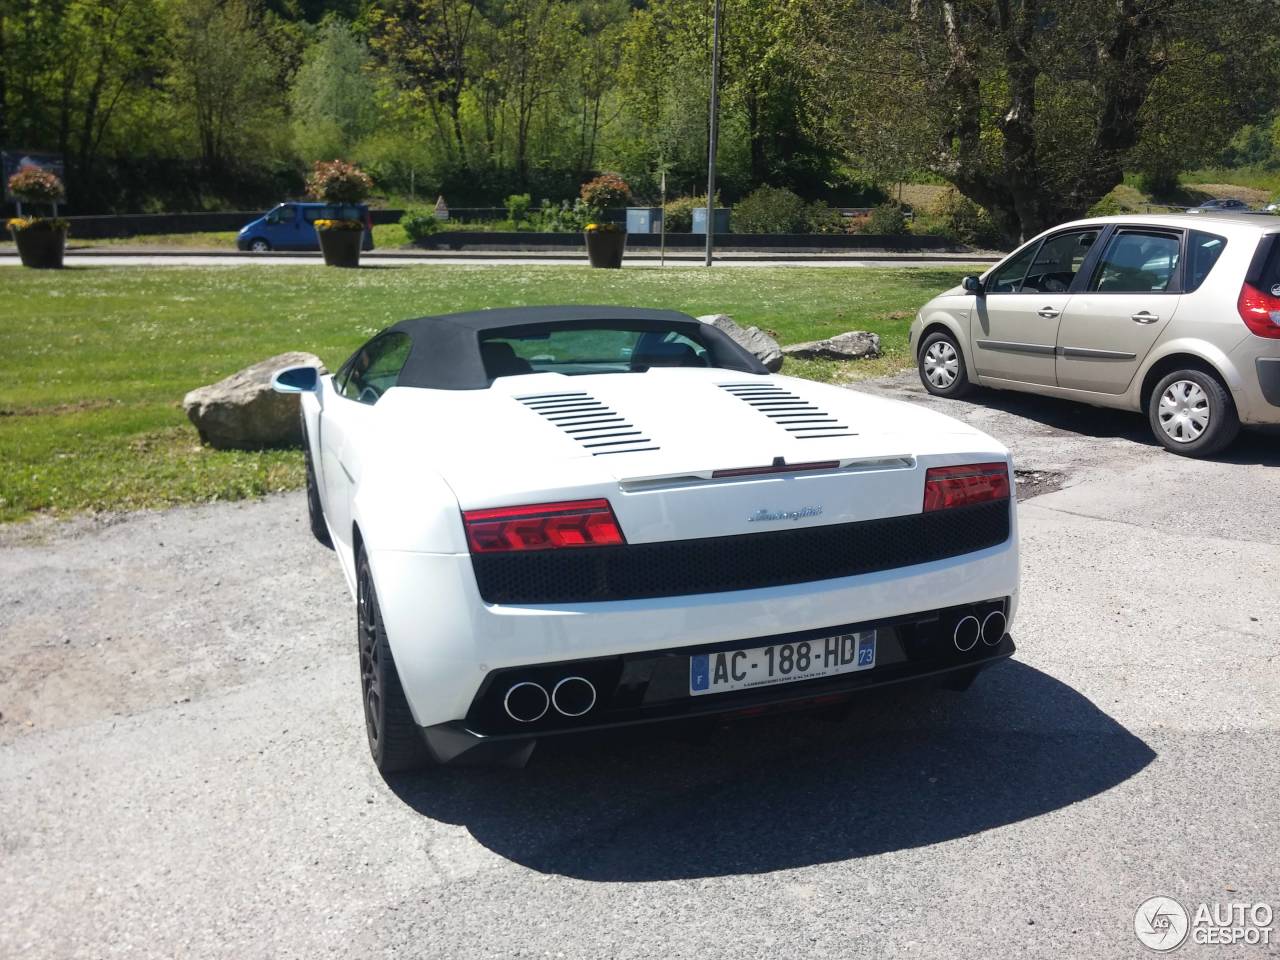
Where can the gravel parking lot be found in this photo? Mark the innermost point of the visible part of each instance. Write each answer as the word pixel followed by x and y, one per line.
pixel 183 770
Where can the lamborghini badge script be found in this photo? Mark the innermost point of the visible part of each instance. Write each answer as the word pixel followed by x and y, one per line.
pixel 784 514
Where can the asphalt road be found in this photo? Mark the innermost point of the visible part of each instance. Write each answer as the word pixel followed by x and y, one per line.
pixel 183 771
pixel 140 257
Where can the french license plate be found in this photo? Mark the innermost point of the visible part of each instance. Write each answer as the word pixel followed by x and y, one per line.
pixel 781 663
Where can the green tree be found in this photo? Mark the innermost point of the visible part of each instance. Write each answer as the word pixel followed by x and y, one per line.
pixel 69 69
pixel 223 82
pixel 426 45
pixel 535 40
pixel 334 97
pixel 1031 108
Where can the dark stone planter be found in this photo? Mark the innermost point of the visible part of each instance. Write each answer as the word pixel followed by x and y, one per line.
pixel 341 248
pixel 42 249
pixel 605 247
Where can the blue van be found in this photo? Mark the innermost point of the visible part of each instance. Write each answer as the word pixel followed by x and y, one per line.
pixel 292 226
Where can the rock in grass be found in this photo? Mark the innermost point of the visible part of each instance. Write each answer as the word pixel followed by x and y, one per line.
pixel 242 412
pixel 752 339
pixel 854 345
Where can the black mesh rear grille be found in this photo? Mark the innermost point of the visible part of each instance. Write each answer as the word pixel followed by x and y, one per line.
pixel 718 564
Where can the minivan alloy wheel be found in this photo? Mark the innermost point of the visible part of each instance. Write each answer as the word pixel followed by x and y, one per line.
pixel 941 364
pixel 1184 411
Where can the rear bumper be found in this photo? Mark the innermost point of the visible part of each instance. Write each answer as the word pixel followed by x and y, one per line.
pixel 653 687
pixel 1257 397
pixel 446 640
pixel 1269 379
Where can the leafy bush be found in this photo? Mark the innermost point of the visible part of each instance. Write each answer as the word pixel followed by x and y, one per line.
pixel 887 220
pixel 36 185
pixel 606 190
pixel 678 213
pixel 562 217
pixel 963 220
pixel 1161 180
pixel 419 223
pixel 1108 206
pixel 857 223
pixel 771 210
pixel 336 181
pixel 824 218
pixel 518 205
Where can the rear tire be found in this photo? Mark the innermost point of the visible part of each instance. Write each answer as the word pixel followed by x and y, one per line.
pixel 1192 414
pixel 395 742
pixel 941 366
pixel 315 509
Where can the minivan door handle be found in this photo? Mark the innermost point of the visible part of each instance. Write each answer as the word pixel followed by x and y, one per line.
pixel 1144 316
pixel 1048 312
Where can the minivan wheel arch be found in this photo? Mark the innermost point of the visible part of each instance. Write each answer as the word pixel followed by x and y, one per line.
pixel 953 331
pixel 1177 361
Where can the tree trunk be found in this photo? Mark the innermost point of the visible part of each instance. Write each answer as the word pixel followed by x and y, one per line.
pixel 756 137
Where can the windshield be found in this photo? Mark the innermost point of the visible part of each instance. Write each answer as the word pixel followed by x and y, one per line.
pixel 579 350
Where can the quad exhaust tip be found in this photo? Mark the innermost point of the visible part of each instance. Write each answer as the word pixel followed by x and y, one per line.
pixel 573 696
pixel 966 634
pixel 993 628
pixel 526 702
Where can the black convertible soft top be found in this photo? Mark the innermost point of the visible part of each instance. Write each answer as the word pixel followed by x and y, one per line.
pixel 445 352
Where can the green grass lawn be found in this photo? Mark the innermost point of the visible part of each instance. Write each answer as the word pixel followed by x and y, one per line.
pixel 96 359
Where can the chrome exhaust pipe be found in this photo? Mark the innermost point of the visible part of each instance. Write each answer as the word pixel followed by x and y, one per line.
pixel 993 628
pixel 966 634
pixel 526 702
pixel 573 696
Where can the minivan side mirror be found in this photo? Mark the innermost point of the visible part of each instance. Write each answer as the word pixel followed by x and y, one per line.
pixel 296 380
pixel 973 285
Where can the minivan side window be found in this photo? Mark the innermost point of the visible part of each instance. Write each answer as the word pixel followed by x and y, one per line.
pixel 1137 262
pixel 1046 267
pixel 1058 261
pixel 374 368
pixel 1203 251
pixel 1008 277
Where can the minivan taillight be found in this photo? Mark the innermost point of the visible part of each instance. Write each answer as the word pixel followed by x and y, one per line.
pixel 542 526
pixel 961 486
pixel 1260 311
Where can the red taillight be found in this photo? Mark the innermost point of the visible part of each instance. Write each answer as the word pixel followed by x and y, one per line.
pixel 542 526
pixel 1260 311
pixel 961 486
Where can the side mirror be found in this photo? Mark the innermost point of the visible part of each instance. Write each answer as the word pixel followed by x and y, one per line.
pixel 296 380
pixel 973 285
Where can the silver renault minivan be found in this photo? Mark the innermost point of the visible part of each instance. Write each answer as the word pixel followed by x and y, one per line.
pixel 1176 316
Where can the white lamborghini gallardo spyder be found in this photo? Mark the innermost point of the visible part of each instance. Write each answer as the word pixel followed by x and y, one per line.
pixel 559 519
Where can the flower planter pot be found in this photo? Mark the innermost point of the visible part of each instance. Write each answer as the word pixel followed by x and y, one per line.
pixel 605 247
pixel 341 248
pixel 41 248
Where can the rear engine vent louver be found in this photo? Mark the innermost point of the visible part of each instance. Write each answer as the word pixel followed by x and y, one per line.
pixel 587 420
pixel 795 415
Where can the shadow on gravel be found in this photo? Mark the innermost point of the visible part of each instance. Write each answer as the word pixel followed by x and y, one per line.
pixel 905 769
pixel 1253 446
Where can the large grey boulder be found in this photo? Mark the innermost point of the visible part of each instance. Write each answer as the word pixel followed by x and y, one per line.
pixel 242 412
pixel 752 339
pixel 854 345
